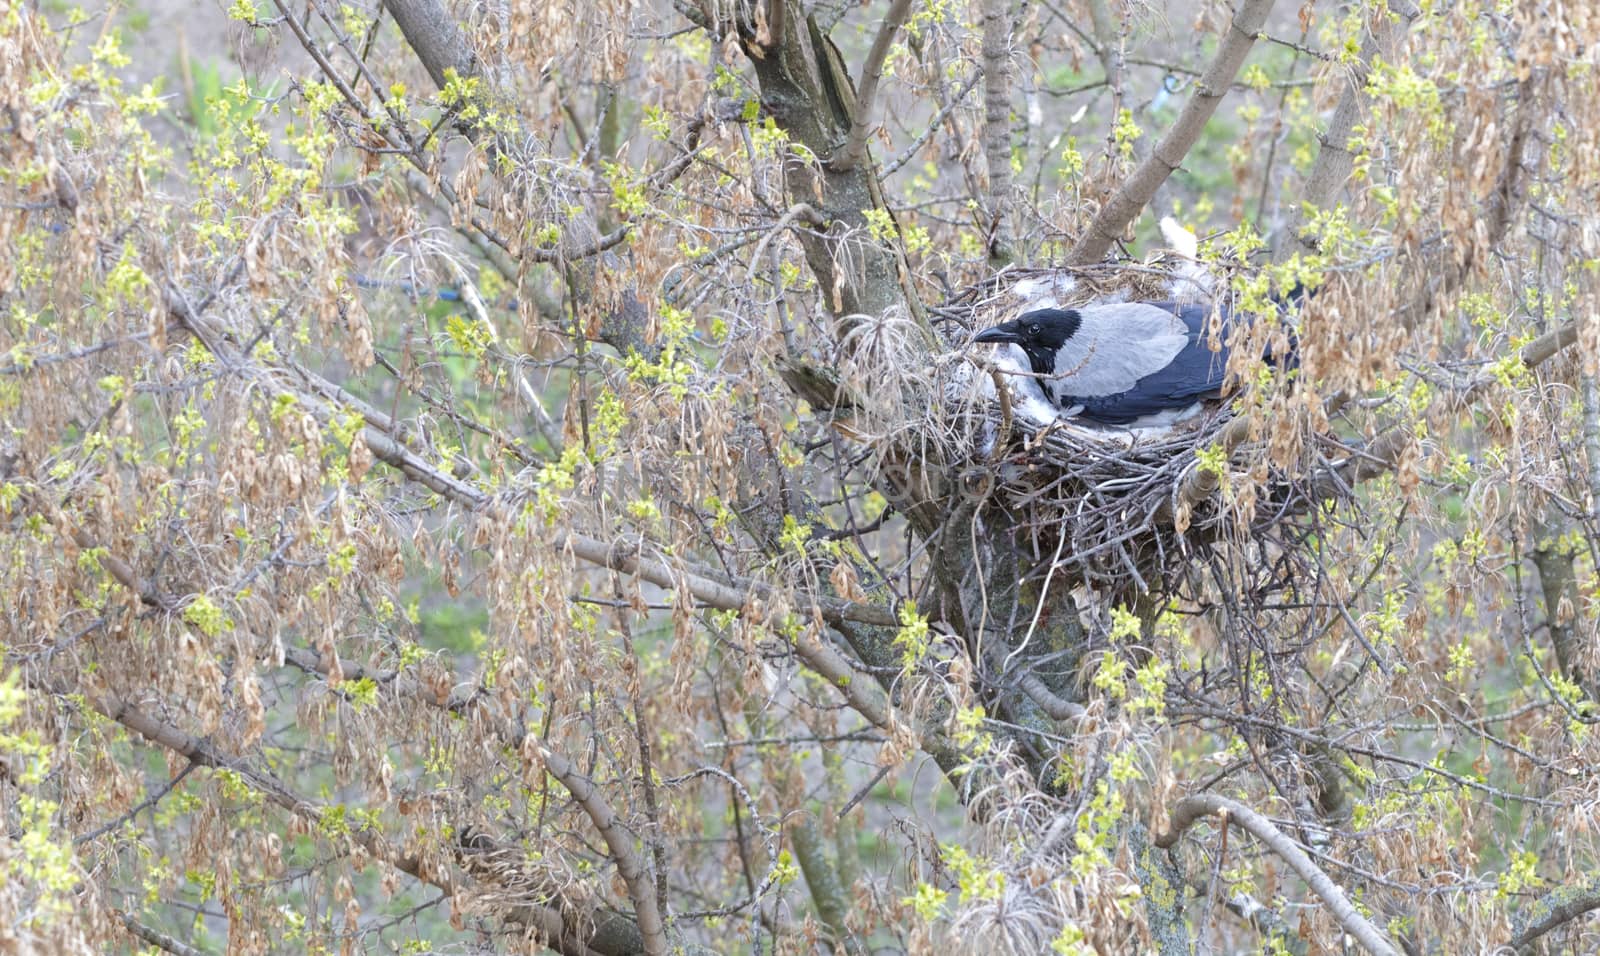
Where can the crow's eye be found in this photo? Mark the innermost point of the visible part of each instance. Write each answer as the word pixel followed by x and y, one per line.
pixel 1033 329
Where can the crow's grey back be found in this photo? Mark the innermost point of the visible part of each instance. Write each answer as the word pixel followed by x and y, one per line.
pixel 1115 347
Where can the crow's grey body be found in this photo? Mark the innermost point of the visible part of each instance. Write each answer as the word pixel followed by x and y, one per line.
pixel 1130 363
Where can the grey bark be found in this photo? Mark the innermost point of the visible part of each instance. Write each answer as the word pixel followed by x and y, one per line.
pixel 1190 809
pixel 1331 168
pixel 434 36
pixel 1561 905
pixel 997 129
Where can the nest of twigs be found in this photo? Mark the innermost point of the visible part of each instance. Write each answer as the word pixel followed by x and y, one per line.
pixel 1123 511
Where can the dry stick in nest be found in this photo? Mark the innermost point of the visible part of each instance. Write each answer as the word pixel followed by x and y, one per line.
pixel 1111 497
pixel 1192 808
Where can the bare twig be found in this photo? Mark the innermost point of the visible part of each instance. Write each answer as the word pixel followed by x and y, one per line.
pixel 933 126
pixel 154 798
pixel 157 938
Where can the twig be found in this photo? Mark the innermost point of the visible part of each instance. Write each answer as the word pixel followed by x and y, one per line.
pixel 1192 808
pixel 933 125
pixel 799 211
pixel 145 804
pixel 861 794
pixel 642 736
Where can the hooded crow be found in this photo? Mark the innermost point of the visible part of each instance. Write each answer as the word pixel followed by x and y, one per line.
pixel 1129 364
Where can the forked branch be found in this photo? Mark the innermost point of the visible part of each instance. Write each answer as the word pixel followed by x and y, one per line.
pixel 1192 808
pixel 855 146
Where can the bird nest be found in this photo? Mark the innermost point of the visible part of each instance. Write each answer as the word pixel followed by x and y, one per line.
pixel 1122 511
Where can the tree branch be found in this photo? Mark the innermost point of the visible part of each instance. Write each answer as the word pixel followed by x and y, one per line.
pixel 1141 186
pixel 614 937
pixel 434 36
pixel 1561 905
pixel 1332 166
pixel 996 52
pixel 855 145
pixel 744 596
pixel 620 844
pixel 828 894
pixel 157 938
pixel 1192 808
pixel 1384 451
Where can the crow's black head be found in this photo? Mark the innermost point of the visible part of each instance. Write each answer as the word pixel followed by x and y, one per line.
pixel 1039 333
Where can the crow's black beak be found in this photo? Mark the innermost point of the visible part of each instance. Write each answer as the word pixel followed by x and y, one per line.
pixel 999 333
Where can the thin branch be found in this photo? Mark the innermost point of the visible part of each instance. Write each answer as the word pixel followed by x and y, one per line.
pixel 736 595
pixel 1534 354
pixel 1381 454
pixel 1141 186
pixel 157 938
pixel 642 735
pixel 855 146
pixel 797 212
pixel 933 125
pixel 614 937
pixel 1589 390
pixel 1192 808
pixel 154 798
